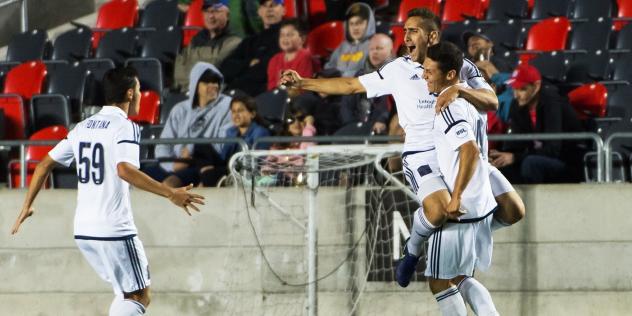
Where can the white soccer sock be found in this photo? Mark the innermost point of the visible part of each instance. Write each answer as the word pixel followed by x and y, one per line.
pixel 451 303
pixel 478 297
pixel 422 229
pixel 498 223
pixel 123 307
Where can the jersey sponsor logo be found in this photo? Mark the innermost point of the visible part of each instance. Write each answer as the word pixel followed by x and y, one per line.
pixel 425 104
pixel 461 133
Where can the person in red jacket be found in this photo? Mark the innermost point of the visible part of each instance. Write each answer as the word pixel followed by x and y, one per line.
pixel 292 55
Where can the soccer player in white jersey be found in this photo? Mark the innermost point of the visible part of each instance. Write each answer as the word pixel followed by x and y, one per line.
pixel 459 247
pixel 105 148
pixel 403 78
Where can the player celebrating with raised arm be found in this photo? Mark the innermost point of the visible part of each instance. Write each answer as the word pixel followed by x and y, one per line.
pixel 403 78
pixel 106 150
pixel 459 247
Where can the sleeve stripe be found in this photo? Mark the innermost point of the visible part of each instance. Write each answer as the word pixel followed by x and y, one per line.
pixel 450 114
pixel 478 74
pixel 446 118
pixel 453 124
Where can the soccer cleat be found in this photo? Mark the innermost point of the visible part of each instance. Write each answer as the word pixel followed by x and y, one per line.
pixel 406 268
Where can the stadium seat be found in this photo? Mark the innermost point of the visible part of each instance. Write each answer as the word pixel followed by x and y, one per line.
pixel 117 45
pixel 291 9
pixel 325 38
pixel 590 167
pixel 169 100
pixel 623 68
pixel 64 177
pixel 547 35
pixel 619 103
pixel 506 35
pixel 163 45
pixel 30 45
pixel 543 9
pixel 453 32
pixel 25 79
pixel 354 129
pixel 551 65
pixel 458 10
pixel 149 73
pixel 34 154
pixel 159 14
pixel 149 108
pixel 193 22
pixel 407 5
pixel 14 116
pixel 591 35
pixel 589 100
pixel 73 45
pixel 69 80
pixel 624 39
pixel 501 10
pixel 397 34
pixel 624 14
pixel 592 66
pixel 97 68
pixel 591 9
pixel 316 12
pixel 49 109
pixel 272 107
pixel 114 14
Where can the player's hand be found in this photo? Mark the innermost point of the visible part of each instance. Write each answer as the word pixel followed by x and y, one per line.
pixel 26 213
pixel 448 96
pixel 184 199
pixel 290 78
pixel 501 159
pixel 454 210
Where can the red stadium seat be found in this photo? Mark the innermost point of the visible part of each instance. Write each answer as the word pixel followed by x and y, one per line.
pixel 25 79
pixel 397 33
pixel 325 38
pixel 589 100
pixel 316 11
pixel 547 35
pixel 291 10
pixel 459 10
pixel 193 22
pixel 624 12
pixel 14 116
pixel 407 5
pixel 115 14
pixel 34 154
pixel 149 108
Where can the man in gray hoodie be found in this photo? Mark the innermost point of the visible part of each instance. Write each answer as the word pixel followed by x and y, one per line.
pixel 350 56
pixel 205 114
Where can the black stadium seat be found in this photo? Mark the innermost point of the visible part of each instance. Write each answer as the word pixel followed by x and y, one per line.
pixel 149 73
pixel 48 110
pixel 543 9
pixel 591 9
pixel 97 68
pixel 551 66
pixel 31 45
pixel 272 106
pixel 73 45
pixel 159 14
pixel 591 35
pixel 117 45
pixel 69 80
pixel 501 10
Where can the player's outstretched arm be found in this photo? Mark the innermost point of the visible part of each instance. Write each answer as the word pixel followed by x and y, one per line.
pixel 334 86
pixel 482 99
pixel 178 196
pixel 468 160
pixel 40 175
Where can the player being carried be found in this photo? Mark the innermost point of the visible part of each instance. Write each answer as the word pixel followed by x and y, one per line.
pixel 417 107
pixel 106 150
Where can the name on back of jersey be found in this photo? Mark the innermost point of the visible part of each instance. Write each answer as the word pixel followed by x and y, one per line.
pixel 97 124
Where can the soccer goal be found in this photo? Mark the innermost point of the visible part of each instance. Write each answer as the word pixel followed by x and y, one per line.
pixel 329 221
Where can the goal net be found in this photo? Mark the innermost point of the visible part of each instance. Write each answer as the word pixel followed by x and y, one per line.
pixel 327 222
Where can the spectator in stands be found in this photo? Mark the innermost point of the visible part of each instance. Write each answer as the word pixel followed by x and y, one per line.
pixel 357 107
pixel 246 124
pixel 538 109
pixel 246 68
pixel 205 114
pixel 324 108
pixel 292 55
pixel 350 56
pixel 495 69
pixel 212 44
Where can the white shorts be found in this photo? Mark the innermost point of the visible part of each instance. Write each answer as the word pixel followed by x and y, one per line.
pixel 120 261
pixel 457 249
pixel 499 183
pixel 422 173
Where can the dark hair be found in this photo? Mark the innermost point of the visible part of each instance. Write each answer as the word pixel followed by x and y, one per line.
pixel 359 10
pixel 302 31
pixel 429 21
pixel 249 102
pixel 116 82
pixel 447 55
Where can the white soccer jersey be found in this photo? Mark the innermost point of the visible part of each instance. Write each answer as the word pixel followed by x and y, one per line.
pixel 98 144
pixel 403 79
pixel 459 123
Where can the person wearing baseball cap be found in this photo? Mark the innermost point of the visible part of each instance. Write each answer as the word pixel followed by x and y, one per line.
pixel 212 44
pixel 538 108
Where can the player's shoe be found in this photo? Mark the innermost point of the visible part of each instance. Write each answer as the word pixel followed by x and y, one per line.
pixel 406 268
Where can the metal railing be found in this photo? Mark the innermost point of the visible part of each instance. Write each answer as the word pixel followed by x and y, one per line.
pixel 608 151
pixel 347 139
pixel 24 25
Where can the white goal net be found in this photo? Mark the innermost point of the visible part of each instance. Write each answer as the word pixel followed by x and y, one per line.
pixel 327 222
